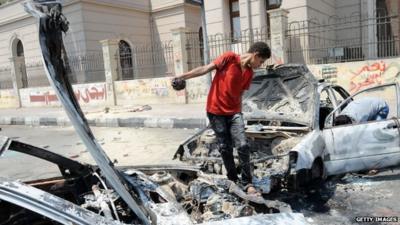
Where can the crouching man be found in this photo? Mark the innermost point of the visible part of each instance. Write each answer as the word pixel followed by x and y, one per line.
pixel 363 110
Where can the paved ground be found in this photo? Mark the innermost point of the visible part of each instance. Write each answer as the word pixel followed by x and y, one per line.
pixel 338 201
pixel 161 116
pixel 344 200
pixel 129 146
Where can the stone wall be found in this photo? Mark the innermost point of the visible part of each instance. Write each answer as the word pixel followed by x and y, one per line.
pixel 356 76
pixel 93 94
pixel 147 91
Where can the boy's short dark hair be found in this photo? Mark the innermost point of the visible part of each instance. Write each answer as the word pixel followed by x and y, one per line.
pixel 262 48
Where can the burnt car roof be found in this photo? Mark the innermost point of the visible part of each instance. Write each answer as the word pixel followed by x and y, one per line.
pixel 285 93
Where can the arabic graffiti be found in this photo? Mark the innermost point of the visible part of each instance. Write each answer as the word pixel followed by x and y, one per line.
pixel 45 97
pixel 84 94
pixel 357 76
pixel 368 75
pixel 329 73
pixel 147 91
pixel 92 93
pixel 197 90
pixel 148 87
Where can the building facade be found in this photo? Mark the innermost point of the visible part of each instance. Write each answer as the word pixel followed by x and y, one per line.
pixel 124 52
pixel 139 25
pixel 318 31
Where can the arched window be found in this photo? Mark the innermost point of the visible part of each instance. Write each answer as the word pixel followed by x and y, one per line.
pixel 19 61
pixel 126 65
pixel 20 49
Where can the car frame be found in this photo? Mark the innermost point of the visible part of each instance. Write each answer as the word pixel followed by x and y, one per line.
pixel 309 159
pixel 106 194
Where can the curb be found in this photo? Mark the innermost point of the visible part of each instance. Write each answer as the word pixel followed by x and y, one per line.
pixel 168 123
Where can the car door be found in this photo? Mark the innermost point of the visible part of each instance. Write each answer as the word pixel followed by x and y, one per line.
pixel 366 145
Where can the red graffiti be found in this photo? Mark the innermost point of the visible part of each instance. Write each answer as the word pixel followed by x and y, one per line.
pixel 94 94
pixel 82 95
pixel 276 59
pixel 45 97
pixel 367 76
pixel 378 66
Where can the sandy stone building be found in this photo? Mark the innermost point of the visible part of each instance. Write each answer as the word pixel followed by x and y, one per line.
pixel 133 23
pixel 127 50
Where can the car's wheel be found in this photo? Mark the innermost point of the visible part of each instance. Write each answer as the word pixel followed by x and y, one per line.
pixel 317 172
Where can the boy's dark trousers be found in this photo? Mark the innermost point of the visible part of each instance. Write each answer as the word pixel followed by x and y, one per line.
pixel 230 133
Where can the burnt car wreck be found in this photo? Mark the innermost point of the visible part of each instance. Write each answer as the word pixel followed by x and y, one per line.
pixel 168 195
pixel 105 194
pixel 289 124
pixel 292 134
pixel 279 113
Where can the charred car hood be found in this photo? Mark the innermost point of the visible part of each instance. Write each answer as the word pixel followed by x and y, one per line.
pixel 52 26
pixel 164 189
pixel 284 94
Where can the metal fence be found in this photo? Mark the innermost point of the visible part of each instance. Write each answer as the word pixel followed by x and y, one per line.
pixel 33 74
pixel 81 69
pixel 5 78
pixel 220 43
pixel 342 39
pixel 146 61
pixel 87 68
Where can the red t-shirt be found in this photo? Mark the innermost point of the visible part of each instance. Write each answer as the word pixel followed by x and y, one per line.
pixel 228 85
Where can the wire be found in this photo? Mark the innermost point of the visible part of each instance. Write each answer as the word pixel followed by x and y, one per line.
pixel 111 201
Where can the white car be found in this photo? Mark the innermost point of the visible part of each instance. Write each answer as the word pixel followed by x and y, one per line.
pixel 103 194
pixel 289 124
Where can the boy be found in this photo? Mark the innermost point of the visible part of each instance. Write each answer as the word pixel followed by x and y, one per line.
pixel 233 76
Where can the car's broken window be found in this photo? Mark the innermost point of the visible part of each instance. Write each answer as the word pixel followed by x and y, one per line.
pixel 326 107
pixel 388 93
pixel 325 101
pixel 339 93
pixel 42 168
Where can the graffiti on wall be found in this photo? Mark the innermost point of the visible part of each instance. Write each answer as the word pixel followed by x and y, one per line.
pixel 197 89
pixel 150 90
pixel 366 76
pixel 8 99
pixel 329 73
pixel 143 88
pixel 373 74
pixel 84 93
pixel 356 76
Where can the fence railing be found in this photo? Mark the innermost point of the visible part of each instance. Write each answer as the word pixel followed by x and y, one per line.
pixel 87 68
pixel 80 69
pixel 32 73
pixel 342 39
pixel 220 43
pixel 146 61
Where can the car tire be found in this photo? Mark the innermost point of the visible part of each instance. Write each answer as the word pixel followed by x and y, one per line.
pixel 316 174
